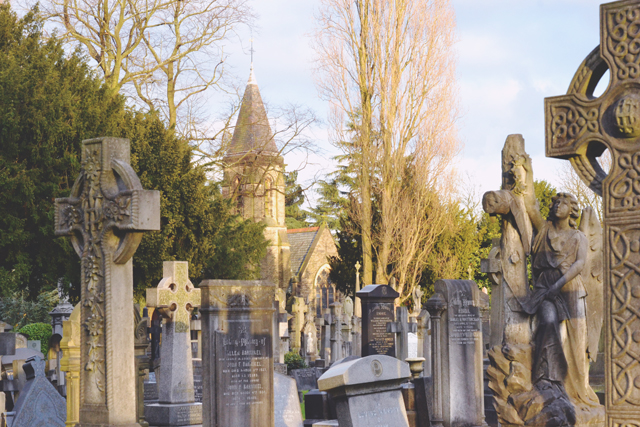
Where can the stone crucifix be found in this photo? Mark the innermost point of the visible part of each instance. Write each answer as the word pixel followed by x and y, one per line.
pixel 175 298
pixel 579 127
pixel 105 216
pixel 299 308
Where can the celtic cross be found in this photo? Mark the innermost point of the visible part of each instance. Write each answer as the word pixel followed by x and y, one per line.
pixel 175 295
pixel 579 127
pixel 105 215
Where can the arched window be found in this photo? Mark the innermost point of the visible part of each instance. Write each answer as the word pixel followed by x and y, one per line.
pixel 324 290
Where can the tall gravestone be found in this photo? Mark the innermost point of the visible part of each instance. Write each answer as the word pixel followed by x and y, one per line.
pixel 377 311
pixel 458 389
pixel 105 216
pixel 237 353
pixel 579 127
pixel 175 298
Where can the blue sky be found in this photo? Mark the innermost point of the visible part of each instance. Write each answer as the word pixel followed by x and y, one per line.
pixel 511 55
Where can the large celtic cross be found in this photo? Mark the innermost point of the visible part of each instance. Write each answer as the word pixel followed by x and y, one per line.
pixel 105 215
pixel 580 127
pixel 175 294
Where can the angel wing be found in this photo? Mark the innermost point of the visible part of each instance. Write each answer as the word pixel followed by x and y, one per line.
pixel 592 278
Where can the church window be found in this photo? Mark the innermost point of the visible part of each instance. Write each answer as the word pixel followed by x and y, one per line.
pixel 324 291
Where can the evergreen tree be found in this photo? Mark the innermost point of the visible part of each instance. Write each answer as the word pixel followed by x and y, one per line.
pixel 49 103
pixel 295 216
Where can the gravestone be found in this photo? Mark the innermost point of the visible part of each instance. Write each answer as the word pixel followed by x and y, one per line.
pixel 336 331
pixel 318 406
pixel 174 298
pixel 579 127
pixel 237 353
pixel 7 343
pixel 105 216
pixel 70 364
pixel 299 308
pixel 306 379
pixel 141 345
pixel 197 380
pixel 287 411
pixel 367 391
pixel 377 311
pixel 39 404
pixel 401 329
pixel 458 387
pixel 34 345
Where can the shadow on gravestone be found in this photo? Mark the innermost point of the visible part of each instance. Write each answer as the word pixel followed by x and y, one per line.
pixel 39 404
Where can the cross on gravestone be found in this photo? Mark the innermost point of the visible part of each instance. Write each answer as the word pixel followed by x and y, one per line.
pixel 105 215
pixel 401 327
pixel 299 308
pixel 580 127
pixel 175 297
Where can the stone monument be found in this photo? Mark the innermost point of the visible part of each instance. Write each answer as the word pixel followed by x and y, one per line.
pixel 70 364
pixel 236 355
pixel 39 404
pixel 367 391
pixel 105 216
pixel 377 311
pixel 458 389
pixel 175 298
pixel 579 127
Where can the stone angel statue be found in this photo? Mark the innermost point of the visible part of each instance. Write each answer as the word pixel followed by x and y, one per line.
pixel 548 384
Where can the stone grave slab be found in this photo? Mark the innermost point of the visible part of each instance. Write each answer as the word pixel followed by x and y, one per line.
pixel 367 391
pixel 377 311
pixel 287 411
pixel 7 343
pixel 237 334
pixel 306 379
pixel 39 404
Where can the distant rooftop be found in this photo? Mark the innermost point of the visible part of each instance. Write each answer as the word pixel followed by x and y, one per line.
pixel 300 241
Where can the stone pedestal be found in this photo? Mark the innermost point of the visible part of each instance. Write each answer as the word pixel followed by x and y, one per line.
pixel 70 364
pixel 237 353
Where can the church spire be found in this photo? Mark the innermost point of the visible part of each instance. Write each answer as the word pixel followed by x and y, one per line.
pixel 252 132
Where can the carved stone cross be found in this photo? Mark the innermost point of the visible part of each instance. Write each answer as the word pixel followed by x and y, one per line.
pixel 299 308
pixel 175 295
pixel 105 215
pixel 579 127
pixel 401 327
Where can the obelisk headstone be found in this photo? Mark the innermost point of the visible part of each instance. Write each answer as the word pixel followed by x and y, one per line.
pixel 105 215
pixel 237 356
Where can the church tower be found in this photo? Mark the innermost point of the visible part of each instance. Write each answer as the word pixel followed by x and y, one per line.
pixel 254 178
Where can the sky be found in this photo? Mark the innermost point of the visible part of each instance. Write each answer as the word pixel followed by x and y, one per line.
pixel 511 54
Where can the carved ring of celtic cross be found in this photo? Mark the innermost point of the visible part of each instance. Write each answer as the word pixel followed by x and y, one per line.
pixel 580 127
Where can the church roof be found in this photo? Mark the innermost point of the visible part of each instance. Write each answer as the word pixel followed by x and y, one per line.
pixel 301 244
pixel 252 132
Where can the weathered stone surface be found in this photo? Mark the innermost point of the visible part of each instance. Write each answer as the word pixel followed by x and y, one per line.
pixel 457 353
pixel 70 364
pixel 609 121
pixel 175 297
pixel 237 357
pixel 319 406
pixel 7 343
pixel 306 379
pixel 105 215
pixel 287 411
pixel 39 404
pixel 377 311
pixel 368 391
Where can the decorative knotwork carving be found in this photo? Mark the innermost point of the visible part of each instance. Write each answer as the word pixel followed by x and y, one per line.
pixel 570 123
pixel 625 310
pixel 625 185
pixel 622 27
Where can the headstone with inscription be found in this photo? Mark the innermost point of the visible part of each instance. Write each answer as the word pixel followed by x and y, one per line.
pixel 287 411
pixel 237 353
pixel 174 298
pixel 457 353
pixel 367 391
pixel 39 403
pixel 377 311
pixel 105 216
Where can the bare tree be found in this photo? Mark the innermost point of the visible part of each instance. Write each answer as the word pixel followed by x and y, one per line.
pixel 168 50
pixel 570 182
pixel 388 68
